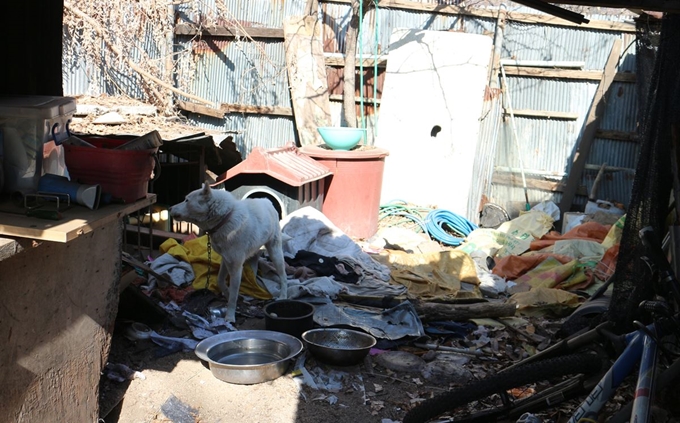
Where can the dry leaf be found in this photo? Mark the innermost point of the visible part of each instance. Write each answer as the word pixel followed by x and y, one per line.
pixel 521 393
pixel 377 387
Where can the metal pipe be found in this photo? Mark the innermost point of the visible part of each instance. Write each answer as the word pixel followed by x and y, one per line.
pixel 514 133
pixel 449 349
pixel 497 47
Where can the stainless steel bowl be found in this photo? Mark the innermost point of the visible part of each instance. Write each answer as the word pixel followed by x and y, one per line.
pixel 342 347
pixel 249 356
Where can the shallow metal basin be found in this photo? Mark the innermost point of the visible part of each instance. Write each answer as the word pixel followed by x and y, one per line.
pixel 342 347
pixel 249 356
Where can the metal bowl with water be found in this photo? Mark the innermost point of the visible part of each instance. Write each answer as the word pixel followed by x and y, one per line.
pixel 250 356
pixel 342 347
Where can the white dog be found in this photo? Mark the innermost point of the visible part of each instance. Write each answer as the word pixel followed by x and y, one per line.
pixel 237 230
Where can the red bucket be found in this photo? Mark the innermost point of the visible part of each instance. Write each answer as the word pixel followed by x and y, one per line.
pixel 124 174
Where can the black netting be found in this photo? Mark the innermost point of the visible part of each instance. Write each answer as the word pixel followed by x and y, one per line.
pixel 649 203
pixel 646 47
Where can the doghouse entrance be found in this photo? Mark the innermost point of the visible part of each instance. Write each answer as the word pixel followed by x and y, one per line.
pixel 269 195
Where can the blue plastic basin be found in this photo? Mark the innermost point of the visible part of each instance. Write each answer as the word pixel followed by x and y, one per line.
pixel 341 138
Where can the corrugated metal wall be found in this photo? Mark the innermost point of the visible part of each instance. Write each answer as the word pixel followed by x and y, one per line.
pixel 548 145
pixel 254 73
pixel 115 77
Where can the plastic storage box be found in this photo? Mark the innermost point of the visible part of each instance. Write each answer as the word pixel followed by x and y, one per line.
pixel 28 127
pixel 124 175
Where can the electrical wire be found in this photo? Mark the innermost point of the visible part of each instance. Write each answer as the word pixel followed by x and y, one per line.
pixel 438 221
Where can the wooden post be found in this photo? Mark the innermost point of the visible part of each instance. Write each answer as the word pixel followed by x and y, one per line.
pixel 349 107
pixel 312 7
pixel 597 109
pixel 461 312
pixel 307 76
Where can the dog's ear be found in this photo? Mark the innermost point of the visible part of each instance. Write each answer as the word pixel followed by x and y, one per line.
pixel 206 189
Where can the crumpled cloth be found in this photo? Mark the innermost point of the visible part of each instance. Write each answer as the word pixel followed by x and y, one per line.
pixel 329 286
pixel 179 272
pixel 308 229
pixel 438 275
pixel 321 286
pixel 195 252
pixel 392 323
pixel 323 266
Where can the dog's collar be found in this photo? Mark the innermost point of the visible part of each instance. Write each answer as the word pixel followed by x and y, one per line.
pixel 219 224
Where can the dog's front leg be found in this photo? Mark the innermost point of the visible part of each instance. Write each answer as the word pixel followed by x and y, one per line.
pixel 235 272
pixel 222 278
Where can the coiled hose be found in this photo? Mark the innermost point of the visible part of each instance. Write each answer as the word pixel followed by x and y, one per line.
pixel 438 220
pixel 437 223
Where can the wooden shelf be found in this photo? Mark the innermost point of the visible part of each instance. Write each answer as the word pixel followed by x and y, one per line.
pixel 77 220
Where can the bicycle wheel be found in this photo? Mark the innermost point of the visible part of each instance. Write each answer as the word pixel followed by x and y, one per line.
pixel 501 382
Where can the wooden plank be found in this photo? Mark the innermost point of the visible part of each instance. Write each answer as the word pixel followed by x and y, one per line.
pixel 259 110
pixel 593 75
pixel 339 61
pixel 200 109
pixel 278 33
pixel 483 13
pixel 597 109
pixel 617 135
pixel 547 114
pixel 429 312
pixel 307 78
pixel 555 175
pixel 229 31
pixel 533 183
pixel 546 64
pixel 672 6
pixel 77 221
pixel 226 108
pixel 368 101
pixel 526 71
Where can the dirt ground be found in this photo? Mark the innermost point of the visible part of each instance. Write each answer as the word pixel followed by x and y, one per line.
pixel 179 388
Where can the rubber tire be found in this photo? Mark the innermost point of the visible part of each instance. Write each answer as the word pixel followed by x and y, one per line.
pixel 519 376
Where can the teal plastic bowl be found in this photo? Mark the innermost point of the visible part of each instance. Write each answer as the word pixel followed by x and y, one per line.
pixel 341 138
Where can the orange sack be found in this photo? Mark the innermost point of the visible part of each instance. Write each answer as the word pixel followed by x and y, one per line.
pixel 512 267
pixel 591 231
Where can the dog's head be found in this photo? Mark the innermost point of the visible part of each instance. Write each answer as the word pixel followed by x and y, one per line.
pixel 201 206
